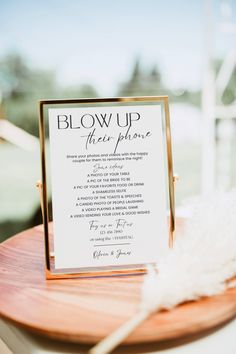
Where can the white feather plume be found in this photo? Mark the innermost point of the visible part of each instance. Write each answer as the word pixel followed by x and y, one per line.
pixel 203 257
pixel 201 263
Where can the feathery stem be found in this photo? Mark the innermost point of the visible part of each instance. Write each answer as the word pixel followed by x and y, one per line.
pixel 114 339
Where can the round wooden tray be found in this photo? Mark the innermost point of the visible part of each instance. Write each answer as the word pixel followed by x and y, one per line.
pixel 86 310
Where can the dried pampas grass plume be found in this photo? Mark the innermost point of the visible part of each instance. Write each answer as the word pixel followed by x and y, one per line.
pixel 201 264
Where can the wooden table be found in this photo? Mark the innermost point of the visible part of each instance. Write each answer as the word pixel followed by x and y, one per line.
pixel 85 310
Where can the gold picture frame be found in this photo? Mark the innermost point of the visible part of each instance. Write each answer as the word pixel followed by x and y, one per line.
pixel 51 273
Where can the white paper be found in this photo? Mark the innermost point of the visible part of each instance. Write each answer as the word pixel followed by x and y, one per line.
pixel 108 186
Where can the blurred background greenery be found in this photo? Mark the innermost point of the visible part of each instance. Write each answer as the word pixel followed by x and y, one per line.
pixel 23 83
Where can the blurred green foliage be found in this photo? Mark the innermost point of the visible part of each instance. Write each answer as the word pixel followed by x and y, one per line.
pixel 149 82
pixel 22 86
pixel 229 94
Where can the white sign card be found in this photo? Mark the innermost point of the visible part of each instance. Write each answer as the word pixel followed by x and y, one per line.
pixel 108 180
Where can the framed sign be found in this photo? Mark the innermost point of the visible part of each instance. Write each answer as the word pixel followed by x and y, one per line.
pixel 108 166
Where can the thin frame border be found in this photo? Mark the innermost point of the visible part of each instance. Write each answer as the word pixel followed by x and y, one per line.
pixel 44 200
